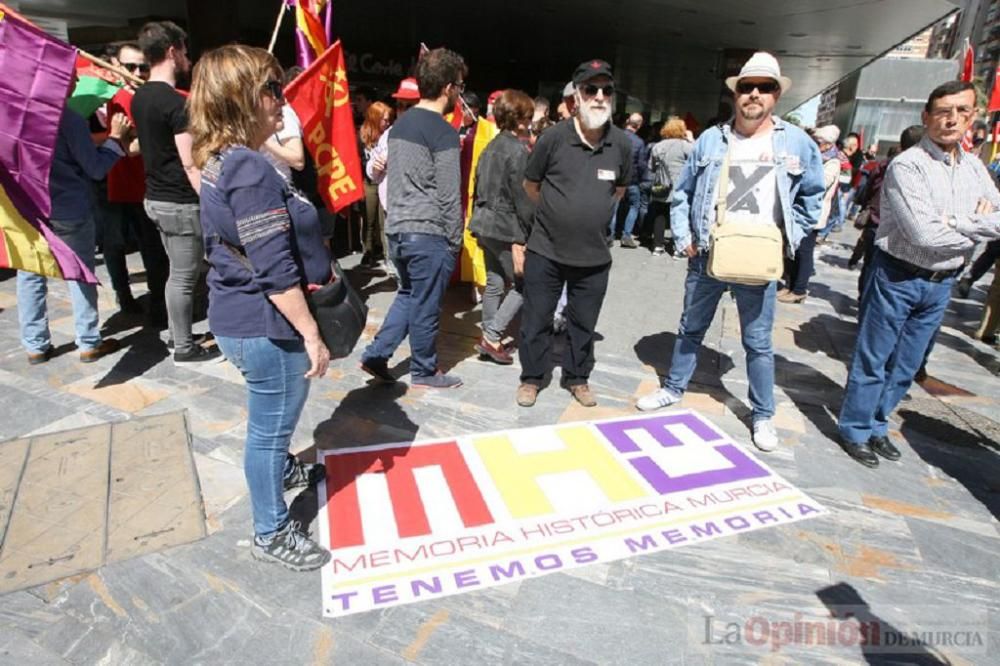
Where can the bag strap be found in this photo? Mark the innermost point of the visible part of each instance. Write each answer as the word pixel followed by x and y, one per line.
pixel 240 257
pixel 722 189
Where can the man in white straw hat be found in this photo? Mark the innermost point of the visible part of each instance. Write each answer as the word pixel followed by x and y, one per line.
pixel 775 177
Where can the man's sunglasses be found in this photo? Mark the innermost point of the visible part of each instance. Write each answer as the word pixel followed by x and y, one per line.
pixel 589 89
pixel 274 88
pixel 136 67
pixel 766 88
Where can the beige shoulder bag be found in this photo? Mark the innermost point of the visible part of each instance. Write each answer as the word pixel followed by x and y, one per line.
pixel 743 252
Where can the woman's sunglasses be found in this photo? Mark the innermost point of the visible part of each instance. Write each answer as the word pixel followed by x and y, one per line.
pixel 274 88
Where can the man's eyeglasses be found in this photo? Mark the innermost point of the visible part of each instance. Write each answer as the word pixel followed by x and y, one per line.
pixel 459 86
pixel 765 88
pixel 136 67
pixel 590 90
pixel 946 111
pixel 273 88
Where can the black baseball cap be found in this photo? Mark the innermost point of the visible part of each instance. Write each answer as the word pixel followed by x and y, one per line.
pixel 590 69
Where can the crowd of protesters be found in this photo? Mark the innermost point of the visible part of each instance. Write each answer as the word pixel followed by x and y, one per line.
pixel 219 190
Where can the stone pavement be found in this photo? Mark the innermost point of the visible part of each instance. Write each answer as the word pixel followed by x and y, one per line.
pixel 913 546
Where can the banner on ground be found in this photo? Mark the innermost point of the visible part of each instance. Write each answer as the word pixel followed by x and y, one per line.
pixel 322 101
pixel 414 522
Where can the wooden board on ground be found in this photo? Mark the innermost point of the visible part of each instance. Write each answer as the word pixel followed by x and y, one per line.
pixel 73 501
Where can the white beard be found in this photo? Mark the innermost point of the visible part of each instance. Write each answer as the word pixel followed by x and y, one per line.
pixel 591 118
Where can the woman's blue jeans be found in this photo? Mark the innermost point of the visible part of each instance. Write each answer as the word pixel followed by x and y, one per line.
pixel 274 371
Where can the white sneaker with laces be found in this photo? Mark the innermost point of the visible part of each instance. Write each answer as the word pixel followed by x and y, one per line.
pixel 658 399
pixel 765 437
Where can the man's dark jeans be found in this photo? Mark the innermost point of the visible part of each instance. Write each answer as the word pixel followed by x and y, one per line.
pixel 425 263
pixel 543 284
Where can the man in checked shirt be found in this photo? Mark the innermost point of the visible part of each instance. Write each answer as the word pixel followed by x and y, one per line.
pixel 937 202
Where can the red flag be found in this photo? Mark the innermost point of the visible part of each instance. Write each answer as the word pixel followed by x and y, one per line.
pixel 322 101
pixel 994 104
pixel 968 62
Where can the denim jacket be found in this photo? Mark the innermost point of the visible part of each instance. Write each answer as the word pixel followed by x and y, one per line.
pixel 799 171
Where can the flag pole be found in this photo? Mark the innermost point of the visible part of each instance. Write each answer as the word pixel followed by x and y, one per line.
pixel 104 64
pixel 328 21
pixel 277 26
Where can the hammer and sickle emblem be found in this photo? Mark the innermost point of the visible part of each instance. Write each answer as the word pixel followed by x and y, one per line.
pixel 336 93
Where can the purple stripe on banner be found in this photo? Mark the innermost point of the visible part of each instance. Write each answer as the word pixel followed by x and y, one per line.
pixel 742 466
pixel 656 427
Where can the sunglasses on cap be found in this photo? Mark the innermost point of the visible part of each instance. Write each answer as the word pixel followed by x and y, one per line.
pixel 766 88
pixel 589 89
pixel 136 67
pixel 273 88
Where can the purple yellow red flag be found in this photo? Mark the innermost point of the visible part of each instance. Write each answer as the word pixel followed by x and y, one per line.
pixel 472 266
pixel 322 101
pixel 308 23
pixel 37 74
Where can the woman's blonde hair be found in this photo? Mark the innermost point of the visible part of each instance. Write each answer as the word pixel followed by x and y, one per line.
pixel 674 128
pixel 225 96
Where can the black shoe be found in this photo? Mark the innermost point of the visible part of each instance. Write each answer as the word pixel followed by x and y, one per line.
pixel 197 339
pixel 197 354
pixel 860 452
pixel 304 474
pixel 963 287
pixel 379 369
pixel 885 448
pixel 128 304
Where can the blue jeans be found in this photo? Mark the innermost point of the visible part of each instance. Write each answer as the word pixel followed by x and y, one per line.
pixel 756 307
pixel 900 314
pixel 274 371
pixel 631 199
pixel 80 236
pixel 425 263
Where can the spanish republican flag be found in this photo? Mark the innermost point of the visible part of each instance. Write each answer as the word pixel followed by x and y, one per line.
pixel 322 101
pixel 309 25
pixel 37 74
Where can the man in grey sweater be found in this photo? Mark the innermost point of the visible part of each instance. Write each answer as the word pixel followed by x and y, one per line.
pixel 424 224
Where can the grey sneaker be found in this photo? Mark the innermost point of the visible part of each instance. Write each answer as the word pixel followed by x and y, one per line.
pixel 437 381
pixel 291 548
pixel 628 241
pixel 303 474
pixel 658 399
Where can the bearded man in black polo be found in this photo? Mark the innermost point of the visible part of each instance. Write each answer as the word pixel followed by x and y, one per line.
pixel 576 174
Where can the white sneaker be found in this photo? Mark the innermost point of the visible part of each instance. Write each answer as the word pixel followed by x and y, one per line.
pixel 658 399
pixel 765 437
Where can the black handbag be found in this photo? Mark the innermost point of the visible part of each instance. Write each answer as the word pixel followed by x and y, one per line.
pixel 337 307
pixel 339 312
